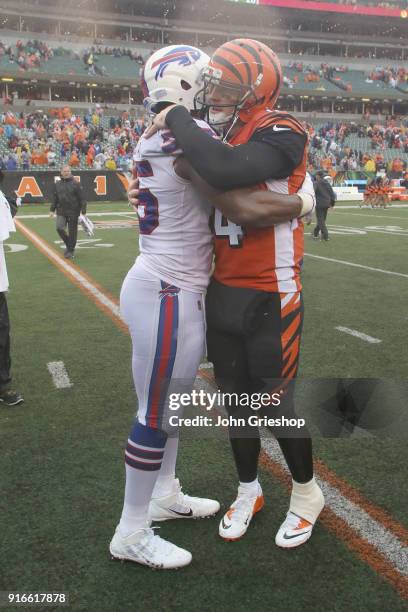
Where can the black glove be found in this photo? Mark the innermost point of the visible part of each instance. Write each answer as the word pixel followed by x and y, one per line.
pixel 13 206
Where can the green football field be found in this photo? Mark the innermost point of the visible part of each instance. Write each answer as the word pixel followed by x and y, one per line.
pixel 62 470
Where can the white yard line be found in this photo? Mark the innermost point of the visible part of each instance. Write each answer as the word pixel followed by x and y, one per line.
pixel 357 334
pixel 385 217
pixel 59 374
pixel 92 214
pixel 385 542
pixel 375 229
pixel 356 265
pixel 73 272
pixel 340 206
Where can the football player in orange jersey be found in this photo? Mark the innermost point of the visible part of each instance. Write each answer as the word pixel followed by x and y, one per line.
pixel 254 301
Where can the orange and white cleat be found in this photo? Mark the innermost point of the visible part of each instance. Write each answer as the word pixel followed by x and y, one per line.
pixel 293 532
pixel 306 503
pixel 236 520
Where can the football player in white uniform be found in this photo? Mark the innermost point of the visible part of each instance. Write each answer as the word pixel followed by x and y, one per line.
pixel 162 301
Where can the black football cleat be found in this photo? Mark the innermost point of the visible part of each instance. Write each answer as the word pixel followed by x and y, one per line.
pixel 11 398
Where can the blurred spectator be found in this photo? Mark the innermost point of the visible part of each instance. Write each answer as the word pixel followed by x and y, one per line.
pixel 11 163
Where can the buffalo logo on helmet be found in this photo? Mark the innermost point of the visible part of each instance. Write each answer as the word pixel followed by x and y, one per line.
pixel 183 56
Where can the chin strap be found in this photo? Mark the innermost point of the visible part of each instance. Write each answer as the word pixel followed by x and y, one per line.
pixel 230 128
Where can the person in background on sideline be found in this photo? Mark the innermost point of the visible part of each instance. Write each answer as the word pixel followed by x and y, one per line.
pixel 68 204
pixel 325 199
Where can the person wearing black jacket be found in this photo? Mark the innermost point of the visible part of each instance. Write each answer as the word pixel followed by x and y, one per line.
pixel 68 204
pixel 325 199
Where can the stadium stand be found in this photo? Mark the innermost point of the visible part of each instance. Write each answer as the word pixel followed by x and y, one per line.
pixel 122 63
pixel 350 147
pixel 42 141
pixel 351 90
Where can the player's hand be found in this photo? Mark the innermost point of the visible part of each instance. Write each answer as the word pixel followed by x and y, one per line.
pixel 133 193
pixel 159 122
pixel 52 215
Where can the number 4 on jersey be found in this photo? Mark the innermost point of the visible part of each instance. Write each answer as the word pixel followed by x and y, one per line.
pixel 225 227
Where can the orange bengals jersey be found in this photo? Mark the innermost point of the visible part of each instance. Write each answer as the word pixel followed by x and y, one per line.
pixel 268 259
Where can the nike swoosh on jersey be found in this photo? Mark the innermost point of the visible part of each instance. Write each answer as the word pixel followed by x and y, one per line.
pixel 189 513
pixel 280 129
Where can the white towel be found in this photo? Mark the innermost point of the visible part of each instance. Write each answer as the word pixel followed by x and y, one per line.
pixel 87 224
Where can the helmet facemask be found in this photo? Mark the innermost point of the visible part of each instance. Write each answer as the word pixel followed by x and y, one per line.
pixel 221 100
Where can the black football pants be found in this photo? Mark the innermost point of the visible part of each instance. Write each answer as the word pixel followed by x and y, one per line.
pixel 253 342
pixel 69 239
pixel 321 216
pixel 5 360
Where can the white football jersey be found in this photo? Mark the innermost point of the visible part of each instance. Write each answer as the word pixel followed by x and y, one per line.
pixel 6 226
pixel 175 239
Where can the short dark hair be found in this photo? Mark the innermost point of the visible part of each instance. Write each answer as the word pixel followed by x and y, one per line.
pixel 1 176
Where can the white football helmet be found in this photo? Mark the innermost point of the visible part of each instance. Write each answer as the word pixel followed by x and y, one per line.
pixel 173 74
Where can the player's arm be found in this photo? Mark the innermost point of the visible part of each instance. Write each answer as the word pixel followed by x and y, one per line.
pixel 258 209
pixel 247 206
pixel 270 154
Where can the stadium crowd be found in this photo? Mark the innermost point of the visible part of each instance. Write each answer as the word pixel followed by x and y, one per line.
pixel 388 75
pixel 91 58
pixel 90 141
pixel 394 77
pixel 96 141
pixel 28 55
pixel 31 55
pixel 329 148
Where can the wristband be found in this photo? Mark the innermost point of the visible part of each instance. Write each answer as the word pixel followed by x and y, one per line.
pixel 308 203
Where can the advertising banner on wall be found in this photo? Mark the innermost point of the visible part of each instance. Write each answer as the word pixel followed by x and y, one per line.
pixel 38 187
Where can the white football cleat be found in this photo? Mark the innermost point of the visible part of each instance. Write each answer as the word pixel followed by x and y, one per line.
pixel 146 548
pixel 306 503
pixel 294 531
pixel 178 505
pixel 236 520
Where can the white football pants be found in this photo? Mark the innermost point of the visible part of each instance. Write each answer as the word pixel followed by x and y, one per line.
pixel 167 326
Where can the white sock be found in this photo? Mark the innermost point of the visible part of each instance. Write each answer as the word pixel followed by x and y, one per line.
pixel 143 456
pixel 165 481
pixel 138 492
pixel 251 488
pixel 306 500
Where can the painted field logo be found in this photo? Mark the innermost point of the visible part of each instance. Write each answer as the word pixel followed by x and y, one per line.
pixel 184 56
